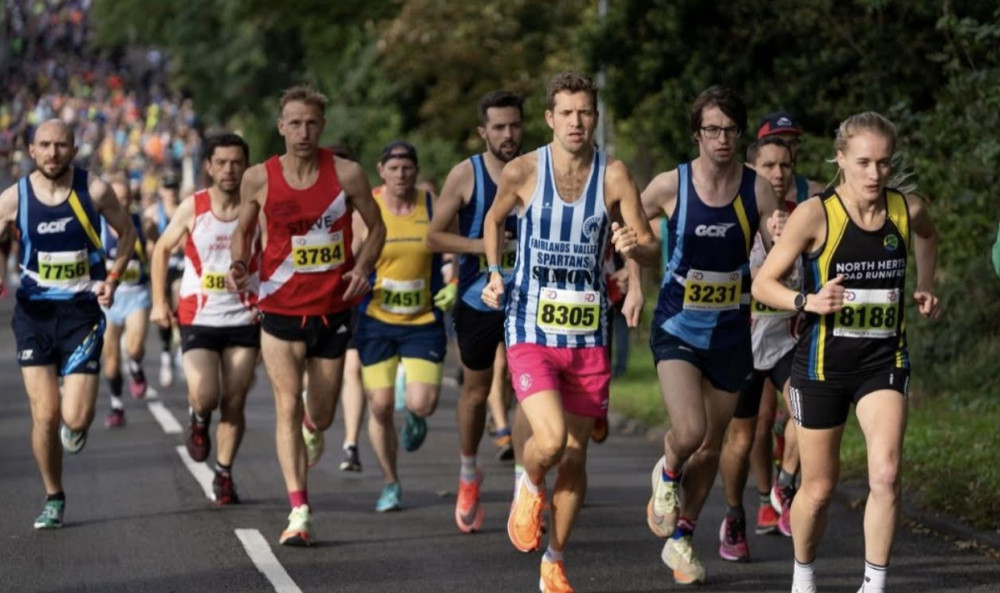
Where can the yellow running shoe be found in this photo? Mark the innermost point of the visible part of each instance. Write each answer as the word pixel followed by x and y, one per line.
pixel 524 525
pixel 299 527
pixel 314 445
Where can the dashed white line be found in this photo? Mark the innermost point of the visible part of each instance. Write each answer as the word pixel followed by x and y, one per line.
pixel 265 561
pixel 200 471
pixel 167 421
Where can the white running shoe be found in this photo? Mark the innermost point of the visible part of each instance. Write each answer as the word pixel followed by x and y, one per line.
pixel 299 530
pixel 72 441
pixel 166 370
pixel 664 504
pixel 679 555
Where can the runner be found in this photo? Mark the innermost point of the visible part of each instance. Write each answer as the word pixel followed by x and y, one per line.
pixel 220 334
pixel 130 311
pixel 556 330
pixel 160 214
pixel 58 323
pixel 304 199
pixel 701 331
pixel 401 320
pixel 781 124
pixel 773 335
pixel 468 194
pixel 855 238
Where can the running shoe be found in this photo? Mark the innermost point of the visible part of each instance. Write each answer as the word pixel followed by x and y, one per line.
pixel 166 370
pixel 505 448
pixel 52 515
pixel 137 386
pixel 781 501
pixel 733 540
pixel 553 579
pixel 804 588
pixel 679 556
pixel 224 489
pixel 299 527
pixel 115 418
pixel 663 507
pixel 198 441
pixel 767 520
pixel 414 432
pixel 351 462
pixel 524 525
pixel 390 498
pixel 72 441
pixel 599 434
pixel 468 511
pixel 314 445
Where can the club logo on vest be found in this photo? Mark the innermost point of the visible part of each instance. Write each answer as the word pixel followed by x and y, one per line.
pixel 713 230
pixel 525 381
pixel 891 242
pixel 591 226
pixel 54 226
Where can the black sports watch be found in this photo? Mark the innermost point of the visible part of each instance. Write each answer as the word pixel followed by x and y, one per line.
pixel 800 302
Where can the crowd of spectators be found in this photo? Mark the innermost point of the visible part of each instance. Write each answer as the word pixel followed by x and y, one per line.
pixel 125 118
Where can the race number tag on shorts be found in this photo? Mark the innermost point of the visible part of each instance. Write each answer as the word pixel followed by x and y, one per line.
pixel 507 259
pixel 568 312
pixel 712 291
pixel 132 272
pixel 213 281
pixel 404 297
pixel 868 314
pixel 63 268
pixel 759 310
pixel 317 252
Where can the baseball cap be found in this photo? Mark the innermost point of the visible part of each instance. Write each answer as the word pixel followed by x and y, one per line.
pixel 778 122
pixel 398 149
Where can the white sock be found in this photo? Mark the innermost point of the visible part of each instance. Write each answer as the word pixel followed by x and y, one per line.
pixel 348 445
pixel 468 472
pixel 804 574
pixel 518 472
pixel 874 578
pixel 532 487
pixel 117 403
pixel 552 555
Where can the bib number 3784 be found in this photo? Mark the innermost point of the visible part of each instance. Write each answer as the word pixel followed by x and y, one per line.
pixel 712 291
pixel 568 312
pixel 319 252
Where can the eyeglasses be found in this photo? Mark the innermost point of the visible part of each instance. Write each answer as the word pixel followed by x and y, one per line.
pixel 714 131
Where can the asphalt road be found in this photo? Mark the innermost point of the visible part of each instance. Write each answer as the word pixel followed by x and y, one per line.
pixel 137 519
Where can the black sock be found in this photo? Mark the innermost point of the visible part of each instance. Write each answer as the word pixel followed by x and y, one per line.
pixel 135 369
pixel 166 336
pixel 57 496
pixel 737 512
pixel 785 479
pixel 115 384
pixel 223 469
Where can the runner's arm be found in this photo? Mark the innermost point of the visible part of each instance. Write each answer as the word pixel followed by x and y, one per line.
pixel 8 206
pixel 641 247
pixel 772 217
pixel 176 231
pixel 800 235
pixel 660 196
pixel 110 208
pixel 252 193
pixel 508 197
pixel 440 235
pixel 359 194
pixel 925 251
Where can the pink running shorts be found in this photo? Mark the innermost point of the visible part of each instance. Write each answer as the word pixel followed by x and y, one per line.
pixel 580 375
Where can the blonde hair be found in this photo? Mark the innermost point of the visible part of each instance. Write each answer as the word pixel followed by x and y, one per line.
pixel 868 121
pixel 303 94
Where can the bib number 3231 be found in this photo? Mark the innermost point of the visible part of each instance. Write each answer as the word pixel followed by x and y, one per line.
pixel 568 312
pixel 712 291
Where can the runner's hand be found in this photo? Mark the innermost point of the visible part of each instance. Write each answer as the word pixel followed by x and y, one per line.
pixel 493 291
pixel 357 283
pixel 624 239
pixel 160 315
pixel 776 223
pixel 632 307
pixel 829 299
pixel 237 278
pixel 928 304
pixel 106 293
pixel 445 298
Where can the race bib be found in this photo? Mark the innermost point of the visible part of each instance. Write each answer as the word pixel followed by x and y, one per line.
pixel 403 297
pixel 868 314
pixel 317 252
pixel 712 291
pixel 132 272
pixel 568 312
pixel 213 282
pixel 507 259
pixel 759 310
pixel 63 268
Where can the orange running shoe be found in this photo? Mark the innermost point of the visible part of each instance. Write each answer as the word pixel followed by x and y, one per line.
pixel 553 579
pixel 524 525
pixel 468 511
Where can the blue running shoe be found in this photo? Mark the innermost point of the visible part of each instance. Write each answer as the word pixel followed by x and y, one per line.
pixel 389 500
pixel 414 432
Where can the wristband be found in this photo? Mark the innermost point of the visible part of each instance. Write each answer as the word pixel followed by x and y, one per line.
pixel 112 277
pixel 238 262
pixel 494 268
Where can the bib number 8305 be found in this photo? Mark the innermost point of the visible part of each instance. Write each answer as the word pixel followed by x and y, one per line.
pixel 568 312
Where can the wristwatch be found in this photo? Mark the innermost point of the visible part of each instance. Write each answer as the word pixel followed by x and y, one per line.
pixel 800 302
pixel 494 268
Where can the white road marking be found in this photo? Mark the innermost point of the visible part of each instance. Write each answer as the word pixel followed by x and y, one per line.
pixel 200 471
pixel 449 381
pixel 265 561
pixel 152 393
pixel 167 421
